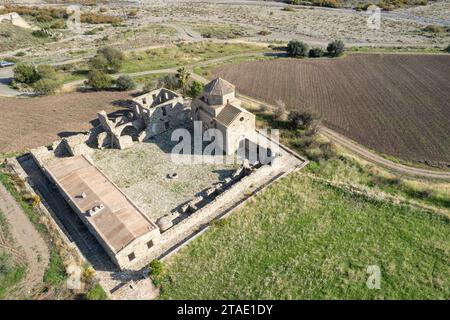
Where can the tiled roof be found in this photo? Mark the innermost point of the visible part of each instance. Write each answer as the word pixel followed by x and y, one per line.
pixel 218 87
pixel 228 114
pixel 119 222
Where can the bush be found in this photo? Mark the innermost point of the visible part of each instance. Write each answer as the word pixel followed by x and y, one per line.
pixel 59 24
pixel 99 80
pixel 302 119
pixel 149 86
pixel 157 272
pixel 327 3
pixel 46 71
pixel 264 33
pixel 280 110
pixel 96 293
pixel 297 49
pixel 335 48
pixel 25 73
pixel 169 81
pixel 46 86
pixel 447 49
pixel 107 59
pixel 95 18
pixel 288 8
pixel 433 28
pixel 195 89
pixel 125 83
pixel 40 34
pixel 316 53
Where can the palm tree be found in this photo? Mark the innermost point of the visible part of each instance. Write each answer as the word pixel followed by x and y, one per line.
pixel 183 77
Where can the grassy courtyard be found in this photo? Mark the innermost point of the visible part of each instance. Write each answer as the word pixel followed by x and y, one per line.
pixel 305 239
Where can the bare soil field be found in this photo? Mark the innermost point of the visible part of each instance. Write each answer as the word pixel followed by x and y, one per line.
pixel 32 122
pixel 398 105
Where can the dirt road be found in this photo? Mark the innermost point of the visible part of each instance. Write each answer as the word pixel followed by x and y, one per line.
pixel 26 236
pixel 373 157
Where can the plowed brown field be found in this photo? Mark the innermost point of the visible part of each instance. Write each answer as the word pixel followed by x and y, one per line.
pixel 33 122
pixel 396 104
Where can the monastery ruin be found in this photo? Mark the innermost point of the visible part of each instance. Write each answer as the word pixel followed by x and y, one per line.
pixel 120 181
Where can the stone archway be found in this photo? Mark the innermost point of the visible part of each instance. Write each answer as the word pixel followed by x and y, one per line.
pixel 130 130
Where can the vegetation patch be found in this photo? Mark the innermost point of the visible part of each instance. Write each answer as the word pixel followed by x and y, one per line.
pixel 12 271
pixel 304 238
pixel 222 31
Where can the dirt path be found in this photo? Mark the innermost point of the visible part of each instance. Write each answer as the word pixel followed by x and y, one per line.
pixel 374 158
pixel 28 238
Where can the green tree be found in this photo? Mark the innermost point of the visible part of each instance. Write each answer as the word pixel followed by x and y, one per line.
pixel 107 59
pixel 335 48
pixel 315 53
pixel 99 62
pixel 125 83
pixel 183 77
pixel 25 73
pixel 46 86
pixel 98 80
pixel 297 49
pixel 195 89
pixel 113 56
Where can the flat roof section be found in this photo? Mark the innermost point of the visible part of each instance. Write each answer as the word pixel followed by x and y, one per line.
pixel 119 221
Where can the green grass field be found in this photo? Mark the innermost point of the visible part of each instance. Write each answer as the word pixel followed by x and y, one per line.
pixel 305 239
pixel 183 54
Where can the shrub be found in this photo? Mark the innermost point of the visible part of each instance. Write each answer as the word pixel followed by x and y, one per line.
pixel 447 49
pixel 335 48
pixel 95 18
pixel 113 56
pixel 20 54
pixel 46 86
pixel 96 293
pixel 99 80
pixel 280 110
pixel 25 73
pixel 107 59
pixel 327 3
pixel 125 83
pixel 315 53
pixel 297 49
pixel 157 272
pixel 195 89
pixel 433 28
pixel 149 86
pixel 288 8
pixel 59 24
pixel 40 34
pixel 302 119
pixel 264 33
pixel 169 81
pixel 46 71
pixel 133 13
